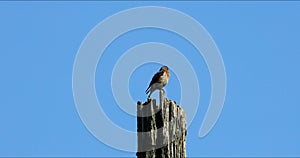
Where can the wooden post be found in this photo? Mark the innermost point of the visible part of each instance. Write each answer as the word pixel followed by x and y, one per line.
pixel 161 129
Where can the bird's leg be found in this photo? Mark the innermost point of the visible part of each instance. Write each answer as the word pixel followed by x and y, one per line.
pixel 163 92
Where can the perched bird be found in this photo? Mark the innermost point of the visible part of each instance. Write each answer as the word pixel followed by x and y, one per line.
pixel 159 80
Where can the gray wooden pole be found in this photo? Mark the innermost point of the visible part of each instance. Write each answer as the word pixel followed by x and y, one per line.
pixel 161 129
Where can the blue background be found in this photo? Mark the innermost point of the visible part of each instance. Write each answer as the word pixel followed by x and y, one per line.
pixel 259 43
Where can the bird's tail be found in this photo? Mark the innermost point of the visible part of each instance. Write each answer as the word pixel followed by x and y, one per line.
pixel 147 90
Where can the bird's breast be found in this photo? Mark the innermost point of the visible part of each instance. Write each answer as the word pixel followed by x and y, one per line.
pixel 165 78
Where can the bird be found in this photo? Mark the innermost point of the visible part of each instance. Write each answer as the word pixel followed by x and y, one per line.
pixel 159 80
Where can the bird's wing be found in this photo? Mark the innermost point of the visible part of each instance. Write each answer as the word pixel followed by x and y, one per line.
pixel 156 78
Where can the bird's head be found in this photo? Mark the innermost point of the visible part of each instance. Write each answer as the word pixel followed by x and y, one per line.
pixel 164 68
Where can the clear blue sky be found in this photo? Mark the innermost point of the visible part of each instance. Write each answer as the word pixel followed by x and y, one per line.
pixel 259 43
